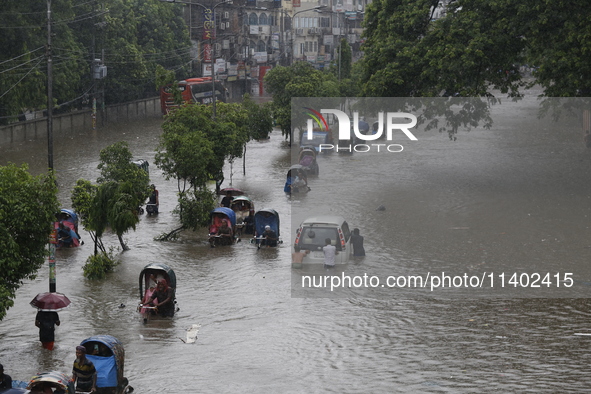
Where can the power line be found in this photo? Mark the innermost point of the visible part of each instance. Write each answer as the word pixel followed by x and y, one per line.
pixel 22 64
pixel 24 54
pixel 19 81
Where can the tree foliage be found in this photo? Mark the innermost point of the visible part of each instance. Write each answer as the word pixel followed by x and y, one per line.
pixel 28 206
pixel 113 203
pixel 298 80
pixel 194 147
pixel 135 37
pixel 477 47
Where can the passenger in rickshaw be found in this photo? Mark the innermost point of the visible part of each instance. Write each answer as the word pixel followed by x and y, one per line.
pixel 151 287
pixel 223 235
pixel 64 236
pixel 165 295
pixel 269 237
pixel 227 200
pixel 307 160
pixel 46 388
pixel 300 182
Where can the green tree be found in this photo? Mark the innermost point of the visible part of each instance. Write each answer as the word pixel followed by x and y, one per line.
pixel 139 36
pixel 259 123
pixel 186 154
pixel 135 36
pixel 23 61
pixel 92 220
pixel 28 206
pixel 113 203
pixel 558 45
pixel 341 67
pixel 193 149
pixel 298 80
pixel 478 46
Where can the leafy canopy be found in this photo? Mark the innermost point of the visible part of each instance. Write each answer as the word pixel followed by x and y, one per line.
pixel 28 206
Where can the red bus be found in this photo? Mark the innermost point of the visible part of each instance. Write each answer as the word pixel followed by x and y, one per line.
pixel 193 90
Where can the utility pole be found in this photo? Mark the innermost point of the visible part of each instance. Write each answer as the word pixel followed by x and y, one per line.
pixel 49 90
pixel 212 43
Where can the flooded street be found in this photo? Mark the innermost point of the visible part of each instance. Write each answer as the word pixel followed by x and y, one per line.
pixel 515 198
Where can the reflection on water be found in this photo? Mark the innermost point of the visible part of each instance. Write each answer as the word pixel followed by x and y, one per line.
pixel 449 205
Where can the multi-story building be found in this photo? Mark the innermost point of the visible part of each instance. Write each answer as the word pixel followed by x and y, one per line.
pixel 243 39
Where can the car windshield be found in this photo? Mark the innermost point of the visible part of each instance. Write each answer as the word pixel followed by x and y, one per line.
pixel 317 139
pixel 312 238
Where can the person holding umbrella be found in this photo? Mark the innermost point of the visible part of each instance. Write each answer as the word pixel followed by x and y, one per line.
pixel 46 321
pixel 47 318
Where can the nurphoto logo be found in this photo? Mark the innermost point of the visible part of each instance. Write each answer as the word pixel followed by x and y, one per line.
pixel 393 121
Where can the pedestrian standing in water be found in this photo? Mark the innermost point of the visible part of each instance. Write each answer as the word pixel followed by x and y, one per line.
pixel 297 257
pixel 330 252
pixel 84 372
pixel 5 380
pixel 154 198
pixel 357 242
pixel 46 321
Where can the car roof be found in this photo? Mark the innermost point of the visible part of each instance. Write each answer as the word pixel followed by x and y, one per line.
pixel 324 220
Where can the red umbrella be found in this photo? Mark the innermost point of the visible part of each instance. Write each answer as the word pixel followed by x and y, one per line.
pixel 50 302
pixel 233 191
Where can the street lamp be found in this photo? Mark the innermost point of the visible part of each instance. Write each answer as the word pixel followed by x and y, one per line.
pixel 317 9
pixel 211 42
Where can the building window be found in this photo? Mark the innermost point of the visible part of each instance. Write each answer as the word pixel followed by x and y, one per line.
pixel 261 47
pixel 263 19
pixel 253 20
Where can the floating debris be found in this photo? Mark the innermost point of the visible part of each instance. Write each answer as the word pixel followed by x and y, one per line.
pixel 381 208
pixel 191 334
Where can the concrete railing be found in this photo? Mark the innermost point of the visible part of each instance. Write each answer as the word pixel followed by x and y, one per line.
pixel 65 124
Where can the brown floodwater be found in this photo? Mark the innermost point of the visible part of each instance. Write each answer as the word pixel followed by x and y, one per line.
pixel 515 198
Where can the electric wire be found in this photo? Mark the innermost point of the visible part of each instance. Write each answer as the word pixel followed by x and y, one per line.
pixel 19 56
pixel 19 81
pixel 22 64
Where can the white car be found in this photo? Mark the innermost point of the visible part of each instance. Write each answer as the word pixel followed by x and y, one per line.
pixel 312 233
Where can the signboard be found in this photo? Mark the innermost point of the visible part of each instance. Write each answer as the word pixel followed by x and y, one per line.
pixel 351 15
pixel 275 41
pixel 254 88
pixel 207 53
pixel 254 71
pixel 232 70
pixel 208 24
pixel 220 66
pixel 260 57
